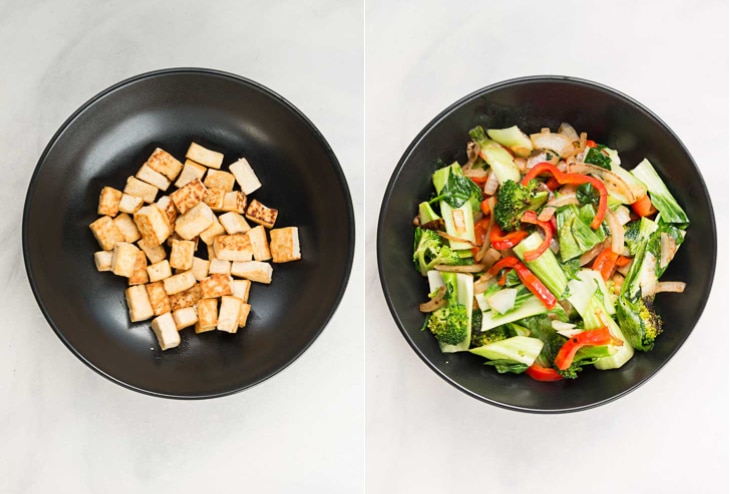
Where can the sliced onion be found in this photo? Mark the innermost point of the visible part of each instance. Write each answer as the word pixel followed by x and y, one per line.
pixel 483 283
pixel 490 186
pixel 563 200
pixel 475 173
pixel 623 215
pixel 668 247
pixel 614 184
pixel 466 268
pixel 472 153
pixel 559 143
pixel 541 157
pixel 618 281
pixel 670 287
pixel 624 270
pixel 479 257
pixel 546 214
pixel 436 302
pixel 617 232
pixel 521 164
pixel 567 130
pixel 454 239
pixel 490 258
pixel 591 254
pixel 582 139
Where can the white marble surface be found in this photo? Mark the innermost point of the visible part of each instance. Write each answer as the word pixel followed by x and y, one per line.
pixel 670 435
pixel 63 428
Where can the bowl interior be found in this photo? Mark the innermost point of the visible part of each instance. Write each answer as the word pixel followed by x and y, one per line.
pixel 533 103
pixel 108 140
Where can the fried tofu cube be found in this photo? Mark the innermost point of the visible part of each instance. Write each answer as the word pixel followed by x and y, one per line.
pixel 218 266
pixel 179 282
pixel 211 251
pixel 245 176
pixel 257 271
pixel 126 225
pixel 195 221
pixel 234 223
pixel 245 311
pixel 233 247
pixel 259 243
pixel 139 275
pixel 163 162
pixel 124 259
pixel 155 253
pixel 200 268
pixel 199 154
pixel 285 244
pixel 215 285
pixel 159 271
pixel 130 204
pixel 258 213
pixel 150 176
pixel 158 298
pixel 109 201
pixel 188 196
pixel 136 187
pixel 187 298
pixel 165 329
pixel 191 171
pixel 106 233
pixel 184 318
pixel 152 224
pixel 138 303
pixel 210 233
pixel 214 199
pixel 174 236
pixel 216 179
pixel 207 315
pixel 103 260
pixel 229 314
pixel 182 253
pixel 168 207
pixel 234 202
pixel 240 289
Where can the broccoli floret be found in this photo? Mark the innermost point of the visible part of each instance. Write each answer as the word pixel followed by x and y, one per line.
pixel 639 322
pixel 449 324
pixel 429 250
pixel 513 199
pixel 481 338
pixel 631 235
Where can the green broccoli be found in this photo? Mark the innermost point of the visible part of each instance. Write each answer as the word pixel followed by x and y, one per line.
pixel 449 324
pixel 481 338
pixel 429 249
pixel 513 199
pixel 639 322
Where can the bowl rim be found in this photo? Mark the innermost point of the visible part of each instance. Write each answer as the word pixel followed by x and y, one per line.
pixel 389 190
pixel 340 176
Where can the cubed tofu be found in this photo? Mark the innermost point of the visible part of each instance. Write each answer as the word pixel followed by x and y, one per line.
pixel 184 318
pixel 214 199
pixel 216 179
pixel 233 247
pixel 150 176
pixel 179 282
pixel 138 303
pixel 126 225
pixel 159 300
pixel 218 266
pixel 229 314
pixel 165 329
pixel 245 311
pixel 187 298
pixel 136 187
pixel 211 251
pixel 191 171
pixel 168 207
pixel 245 176
pixel 159 271
pixel 259 243
pixel 124 259
pixel 103 260
pixel 139 275
pixel 130 204
pixel 152 224
pixel 195 221
pixel 207 315
pixel 200 268
pixel 163 162
pixel 212 232
pixel 285 244
pixel 257 271
pixel 234 223
pixel 258 213
pixel 109 201
pixel 215 285
pixel 234 202
pixel 240 289
pixel 155 253
pixel 175 237
pixel 182 253
pixel 187 197
pixel 106 233
pixel 207 157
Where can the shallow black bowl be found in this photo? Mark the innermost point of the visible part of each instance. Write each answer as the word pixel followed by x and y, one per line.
pixel 532 103
pixel 108 139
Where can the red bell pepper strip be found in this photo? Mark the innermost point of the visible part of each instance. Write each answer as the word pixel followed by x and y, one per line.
pixel 622 261
pixel 528 279
pixel 480 231
pixel 547 230
pixel 500 241
pixel 552 183
pixel 593 337
pixel 644 207
pixel 540 373
pixel 605 263
pixel 590 143
pixel 484 206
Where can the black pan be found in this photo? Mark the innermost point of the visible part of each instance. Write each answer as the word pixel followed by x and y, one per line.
pixel 108 139
pixel 609 117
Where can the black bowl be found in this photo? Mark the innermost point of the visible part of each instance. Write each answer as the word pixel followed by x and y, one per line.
pixel 108 139
pixel 532 103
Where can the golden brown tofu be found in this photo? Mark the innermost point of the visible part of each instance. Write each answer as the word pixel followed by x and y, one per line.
pixel 195 221
pixel 207 315
pixel 182 253
pixel 152 224
pixel 190 172
pixel 187 298
pixel 233 247
pixel 260 272
pixel 158 297
pixel 240 289
pixel 167 206
pixel 150 176
pixel 187 197
pixel 179 282
pixel 106 233
pixel 163 162
pixel 136 187
pixel 124 259
pixel 185 317
pixel 245 311
pixel 285 244
pixel 109 201
pixel 245 176
pixel 126 225
pixel 130 204
pixel 139 275
pixel 166 331
pixel 103 260
pixel 258 213
pixel 259 243
pixel 229 314
pixel 215 285
pixel 234 223
pixel 209 234
pixel 155 253
pixel 207 157
pixel 234 202
pixel 159 271
pixel 216 179
pixel 214 198
pixel 138 303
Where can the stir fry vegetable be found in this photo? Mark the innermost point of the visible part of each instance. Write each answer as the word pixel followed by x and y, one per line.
pixel 543 254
